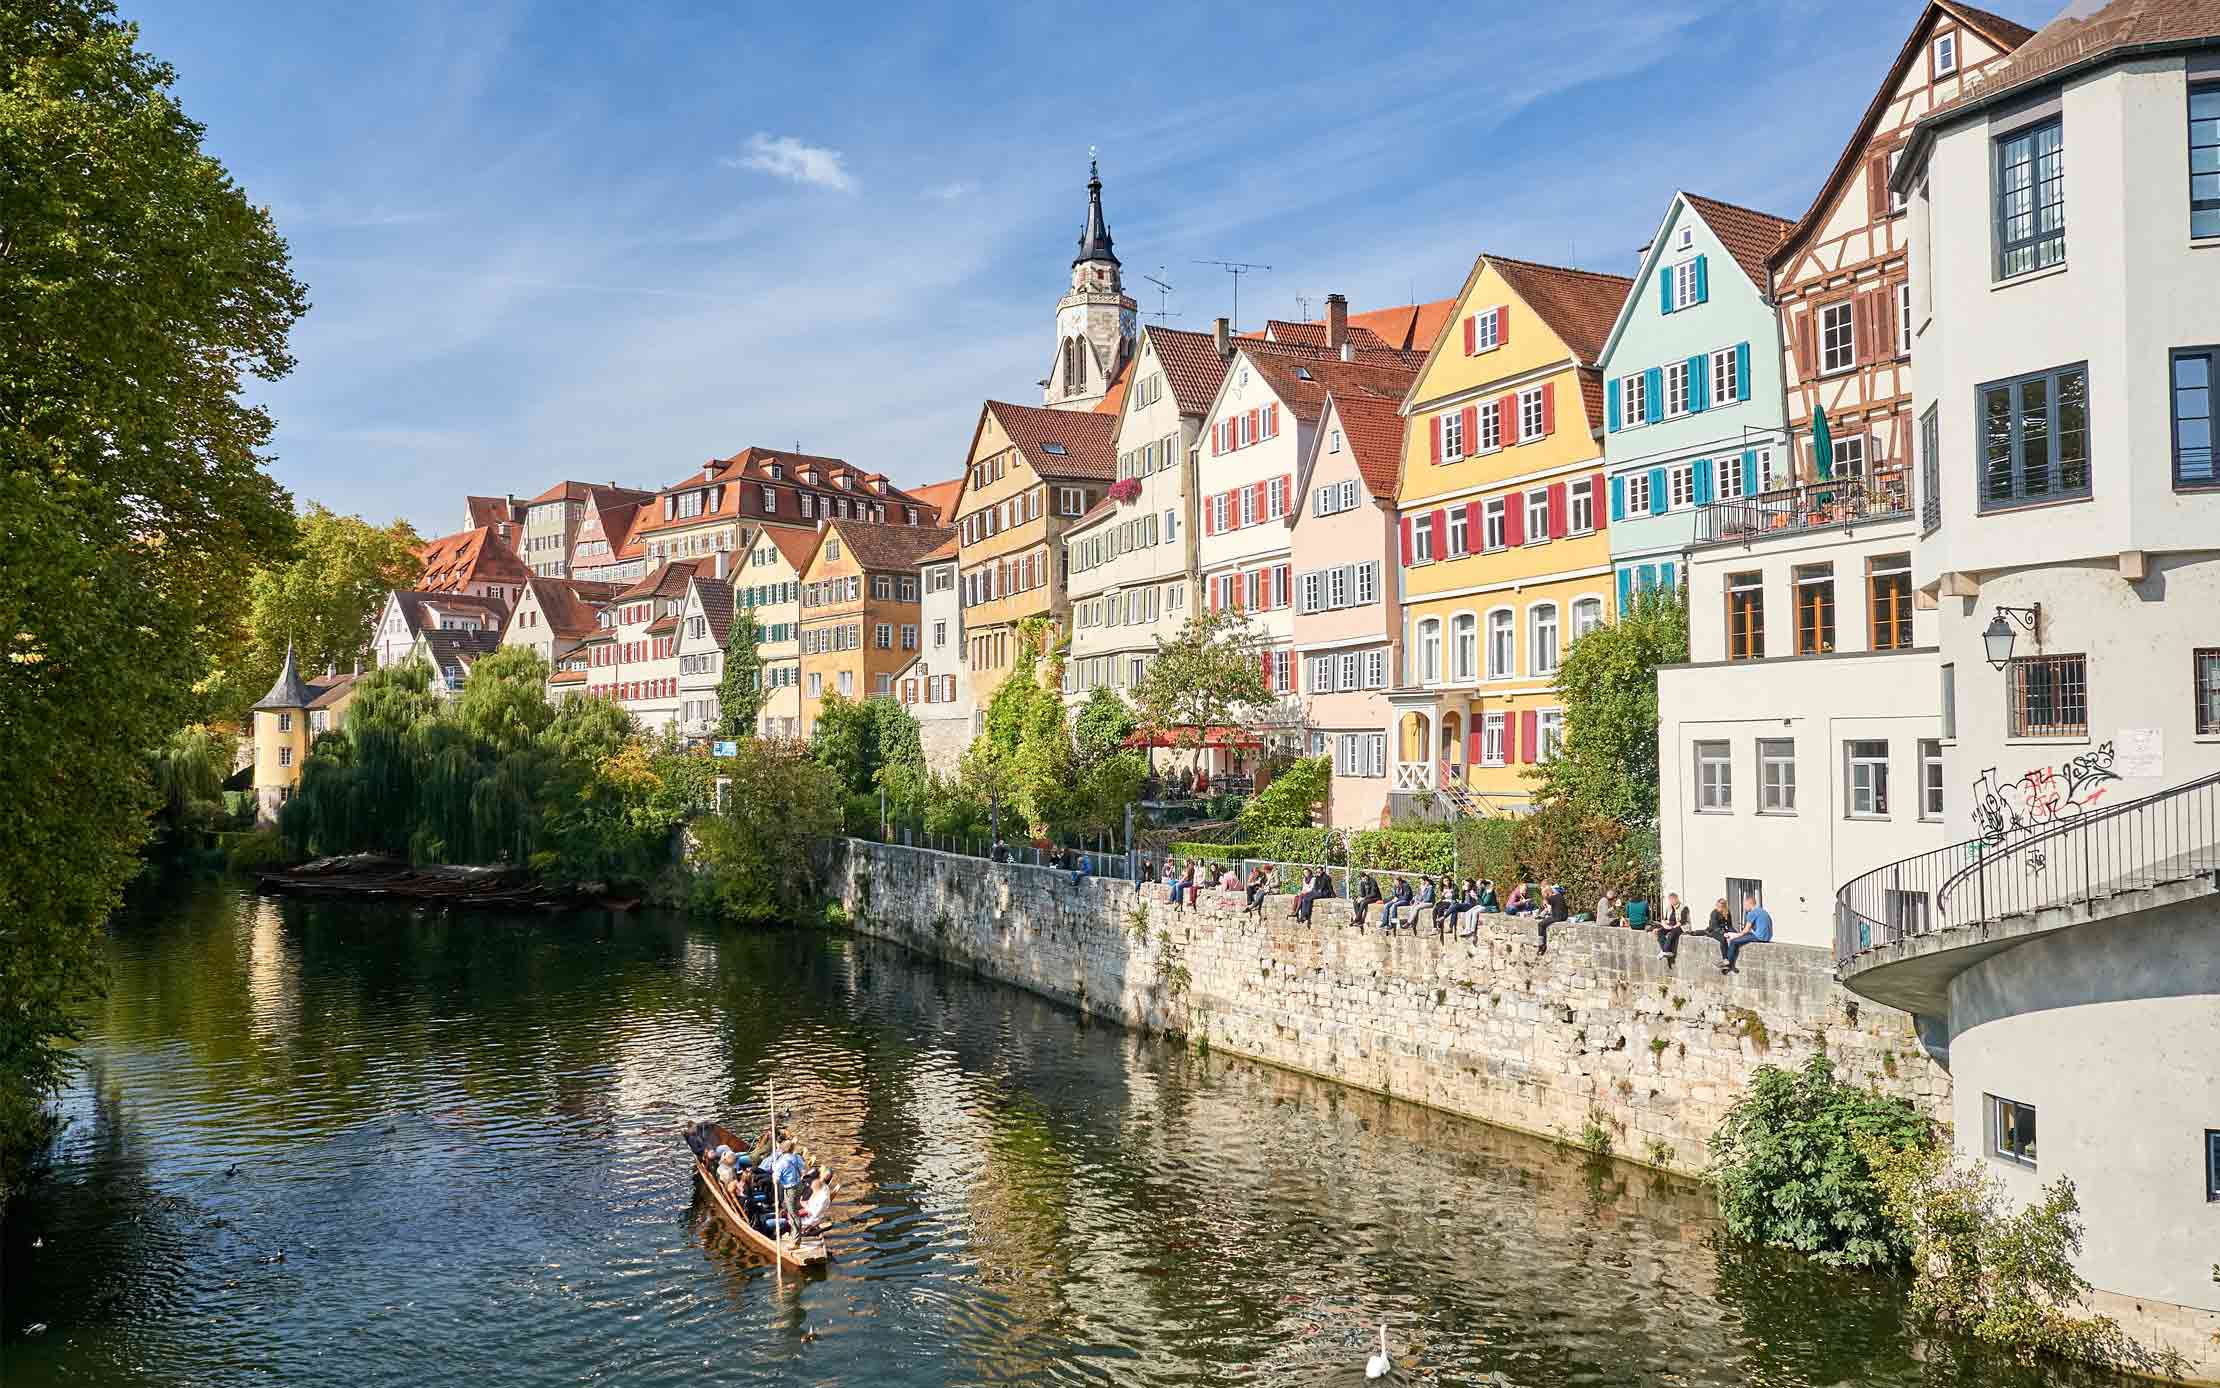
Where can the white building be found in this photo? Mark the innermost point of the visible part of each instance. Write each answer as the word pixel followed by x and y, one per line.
pixel 704 622
pixel 637 666
pixel 408 614
pixel 935 686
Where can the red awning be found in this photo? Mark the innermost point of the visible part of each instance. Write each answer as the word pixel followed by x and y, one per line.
pixel 1185 737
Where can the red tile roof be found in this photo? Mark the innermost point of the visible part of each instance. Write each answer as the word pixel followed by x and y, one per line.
pixel 1410 327
pixel 941 496
pixel 587 491
pixel 1195 370
pixel 668 580
pixel 327 690
pixel 568 605
pixel 1061 445
pixel 715 597
pixel 945 550
pixel 1579 306
pixel 1113 399
pixel 1373 428
pixel 889 548
pixel 2073 40
pixel 798 545
pixel 1302 385
pixel 752 465
pixel 454 562
pixel 490 510
pixel 1748 236
pixel 1314 334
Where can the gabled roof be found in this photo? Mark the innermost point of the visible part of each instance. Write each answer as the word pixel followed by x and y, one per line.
pixel 489 510
pixel 1314 334
pixel 889 548
pixel 455 650
pixel 944 552
pixel 798 547
pixel 326 690
pixel 568 605
pixel 1746 236
pixel 1060 445
pixel 1113 396
pixel 412 602
pixel 2001 32
pixel 1192 366
pixel 589 491
pixel 2080 38
pixel 714 597
pixel 454 562
pixel 1579 306
pixel 1302 384
pixel 753 464
pixel 940 496
pixel 1408 327
pixel 1372 427
pixel 666 580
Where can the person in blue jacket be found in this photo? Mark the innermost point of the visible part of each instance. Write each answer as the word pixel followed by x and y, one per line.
pixel 1757 929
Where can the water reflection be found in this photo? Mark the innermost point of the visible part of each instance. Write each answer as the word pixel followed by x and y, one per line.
pixel 460 1132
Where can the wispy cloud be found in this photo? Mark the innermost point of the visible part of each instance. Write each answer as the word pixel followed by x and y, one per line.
pixel 951 192
pixel 783 156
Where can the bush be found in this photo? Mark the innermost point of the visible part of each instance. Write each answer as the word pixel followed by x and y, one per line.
pixel 254 851
pixel 1431 851
pixel 1212 852
pixel 1792 1163
pixel 1299 845
pixel 1561 843
pixel 1484 848
pixel 1292 799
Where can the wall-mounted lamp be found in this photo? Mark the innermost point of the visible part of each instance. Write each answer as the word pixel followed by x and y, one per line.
pixel 1998 639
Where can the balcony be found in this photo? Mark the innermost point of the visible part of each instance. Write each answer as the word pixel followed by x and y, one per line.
pixel 1843 503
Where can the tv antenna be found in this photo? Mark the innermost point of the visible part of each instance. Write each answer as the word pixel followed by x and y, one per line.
pixel 1163 298
pixel 1237 269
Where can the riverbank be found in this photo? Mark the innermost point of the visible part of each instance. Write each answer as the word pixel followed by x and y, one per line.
pixel 1597 1043
pixel 376 877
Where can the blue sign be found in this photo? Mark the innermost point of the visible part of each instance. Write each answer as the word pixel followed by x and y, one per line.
pixel 726 749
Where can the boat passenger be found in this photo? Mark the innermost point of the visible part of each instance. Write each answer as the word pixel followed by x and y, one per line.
pixel 820 1200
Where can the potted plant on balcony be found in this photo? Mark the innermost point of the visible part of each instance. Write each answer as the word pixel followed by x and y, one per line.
pixel 1125 490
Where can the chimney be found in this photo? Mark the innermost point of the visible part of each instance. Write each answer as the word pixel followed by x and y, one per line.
pixel 1348 350
pixel 1221 333
pixel 1337 321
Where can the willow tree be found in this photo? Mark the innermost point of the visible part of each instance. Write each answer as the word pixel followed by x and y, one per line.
pixel 139 287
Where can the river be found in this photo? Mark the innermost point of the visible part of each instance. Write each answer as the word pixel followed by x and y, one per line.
pixel 460 1133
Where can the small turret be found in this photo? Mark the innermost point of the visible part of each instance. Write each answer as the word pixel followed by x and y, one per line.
pixel 1094 240
pixel 288 692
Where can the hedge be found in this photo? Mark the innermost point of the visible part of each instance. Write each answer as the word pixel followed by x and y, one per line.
pixel 1431 851
pixel 1212 852
pixel 1299 845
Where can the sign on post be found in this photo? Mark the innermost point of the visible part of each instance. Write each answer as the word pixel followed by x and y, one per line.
pixel 725 749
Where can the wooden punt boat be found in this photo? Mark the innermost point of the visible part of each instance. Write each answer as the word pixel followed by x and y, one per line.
pixel 795 1252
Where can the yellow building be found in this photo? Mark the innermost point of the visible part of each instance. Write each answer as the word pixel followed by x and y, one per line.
pixel 1501 510
pixel 1030 475
pixel 286 724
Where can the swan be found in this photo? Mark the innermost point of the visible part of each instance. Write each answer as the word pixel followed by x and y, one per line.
pixel 1377 1365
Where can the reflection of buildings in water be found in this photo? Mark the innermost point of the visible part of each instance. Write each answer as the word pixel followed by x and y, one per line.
pixel 273 969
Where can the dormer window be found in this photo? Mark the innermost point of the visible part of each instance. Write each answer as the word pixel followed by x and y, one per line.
pixel 1302 373
pixel 1055 448
pixel 1687 237
pixel 844 481
pixel 774 471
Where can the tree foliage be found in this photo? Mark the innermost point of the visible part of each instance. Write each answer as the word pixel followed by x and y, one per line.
pixel 1793 1164
pixel 740 695
pixel 1608 684
pixel 755 859
pixel 1292 799
pixel 1101 725
pixel 1211 674
pixel 139 287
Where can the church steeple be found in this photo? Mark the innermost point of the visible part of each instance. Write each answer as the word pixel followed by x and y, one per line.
pixel 1094 241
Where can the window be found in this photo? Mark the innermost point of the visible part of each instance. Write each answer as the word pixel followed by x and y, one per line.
pixel 1850 456
pixel 1866 784
pixel 2193 372
pixel 1453 434
pixel 1542 622
pixel 1071 501
pixel 2204 160
pixel 1550 734
pixel 2212 1164
pixel 1491 523
pixel 1349 494
pixel 1888 596
pixel 1726 377
pixel 1491 431
pixel 285 722
pixel 1375 669
pixel 1684 285
pixel 1275 492
pixel 1422 540
pixel 1930 472
pixel 2035 437
pixel 1681 483
pixel 1776 758
pixel 1429 651
pixel 1333 441
pixel 1838 344
pixel 1930 779
pixel 1456 529
pixel 1491 739
pixel 1484 338
pixel 1501 653
pixel 1587 616
pixel 1633 405
pixel 1946 54
pixel 285 756
pixel 1532 419
pixel 1815 609
pixel 1746 616
pixel 1537 515
pixel 1714 778
pixel 2205 681
pixel 1676 389
pixel 1904 318
pixel 2031 199
pixel 1248 506
pixel 1637 493
pixel 2048 695
pixel 2011 1130
pixel 1726 482
pixel 909 637
pixel 1465 643
pixel 1580 500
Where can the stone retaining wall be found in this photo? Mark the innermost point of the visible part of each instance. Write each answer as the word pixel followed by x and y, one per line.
pixel 1596 1035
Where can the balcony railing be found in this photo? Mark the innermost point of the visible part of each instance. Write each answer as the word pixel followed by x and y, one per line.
pixel 1885 494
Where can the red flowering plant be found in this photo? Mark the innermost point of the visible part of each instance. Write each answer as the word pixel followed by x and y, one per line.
pixel 1125 489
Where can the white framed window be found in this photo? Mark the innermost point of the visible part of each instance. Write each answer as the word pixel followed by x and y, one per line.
pixel 1465 646
pixel 1776 759
pixel 1275 492
pixel 1637 493
pixel 1368 583
pixel 940 635
pixel 2011 1127
pixel 1850 456
pixel 1349 494
pixel 1550 733
pixel 1867 782
pixel 1326 500
pixel 1930 778
pixel 1333 441
pixel 1429 651
pixel 1676 389
pixel 1714 778
pixel 1838 341
pixel 1680 481
pixel 1337 587
pixel 1453 434
pixel 1587 616
pixel 1726 482
pixel 1351 674
pixel 1726 377
pixel 1375 669
pixel 1945 50
pixel 1457 545
pixel 1904 318
pixel 1483 331
pixel 1321 674
pixel 1313 588
pixel 1502 645
pixel 1537 516
pixel 1580 502
pixel 1633 400
pixel 1491 431
pixel 1422 540
pixel 1218 511
pixel 1530 414
pixel 1071 501
pixel 1248 506
pixel 1491 739
pixel 1492 523
pixel 1684 284
pixel 1541 622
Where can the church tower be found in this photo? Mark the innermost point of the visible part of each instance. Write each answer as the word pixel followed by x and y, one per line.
pixel 1096 323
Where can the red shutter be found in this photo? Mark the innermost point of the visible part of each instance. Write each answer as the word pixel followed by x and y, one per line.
pixel 1434 426
pixel 1557 516
pixel 1475 538
pixel 1471 327
pixel 1406 542
pixel 1510 739
pixel 1503 326
pixel 1507 421
pixel 1266 659
pixel 1208 513
pixel 1472 747
pixel 1529 734
pixel 1259 490
pixel 1254 421
pixel 1287 492
pixel 1549 408
pixel 1272 416
pixel 1807 348
pixel 1597 503
pixel 1514 519
pixel 1441 535
pixel 1472 430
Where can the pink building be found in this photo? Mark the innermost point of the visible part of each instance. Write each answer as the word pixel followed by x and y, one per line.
pixel 1343 557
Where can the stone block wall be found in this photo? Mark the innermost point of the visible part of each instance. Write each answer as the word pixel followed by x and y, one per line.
pixel 1596 1034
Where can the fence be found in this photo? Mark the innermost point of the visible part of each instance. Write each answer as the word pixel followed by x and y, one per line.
pixel 2040 852
pixel 1843 501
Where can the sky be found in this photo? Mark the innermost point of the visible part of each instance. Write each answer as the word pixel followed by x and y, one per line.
pixel 609 242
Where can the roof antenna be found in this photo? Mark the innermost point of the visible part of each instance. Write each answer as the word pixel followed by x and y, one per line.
pixel 1163 300
pixel 1236 269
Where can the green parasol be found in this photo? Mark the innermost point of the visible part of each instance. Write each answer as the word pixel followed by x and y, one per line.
pixel 1822 446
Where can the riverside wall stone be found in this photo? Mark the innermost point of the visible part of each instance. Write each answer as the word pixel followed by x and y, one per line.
pixel 1596 1034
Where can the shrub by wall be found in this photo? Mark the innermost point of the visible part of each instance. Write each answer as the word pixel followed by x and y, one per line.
pixel 1212 852
pixel 1432 851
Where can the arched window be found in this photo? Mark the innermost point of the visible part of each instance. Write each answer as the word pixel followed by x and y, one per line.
pixel 1465 643
pixel 1541 620
pixel 1075 367
pixel 1587 616
pixel 1429 651
pixel 1501 653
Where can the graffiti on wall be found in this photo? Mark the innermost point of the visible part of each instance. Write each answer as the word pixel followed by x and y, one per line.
pixel 2006 812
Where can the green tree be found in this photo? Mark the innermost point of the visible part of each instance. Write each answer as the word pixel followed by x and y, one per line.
pixel 504 702
pixel 1210 675
pixel 1608 685
pixel 755 859
pixel 1292 800
pixel 846 743
pixel 138 288
pixel 741 696
pixel 1101 725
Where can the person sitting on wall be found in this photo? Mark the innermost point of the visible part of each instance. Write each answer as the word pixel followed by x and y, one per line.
pixel 1319 886
pixel 1082 869
pixel 1490 903
pixel 1638 913
pixel 1366 893
pixel 1757 929
pixel 1520 903
pixel 1669 927
pixel 1721 923
pixel 1446 905
pixel 1229 880
pixel 1391 914
pixel 1260 882
pixel 1000 853
pixel 1422 904
pixel 1607 908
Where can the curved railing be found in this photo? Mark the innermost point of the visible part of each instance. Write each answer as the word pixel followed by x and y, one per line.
pixel 2040 852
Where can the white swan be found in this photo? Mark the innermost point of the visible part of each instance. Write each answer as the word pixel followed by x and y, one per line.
pixel 1377 1365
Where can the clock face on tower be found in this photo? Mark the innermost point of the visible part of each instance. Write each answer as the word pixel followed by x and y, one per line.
pixel 1125 322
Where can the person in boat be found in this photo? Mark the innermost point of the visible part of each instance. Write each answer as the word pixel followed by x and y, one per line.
pixel 819 1201
pixel 786 1172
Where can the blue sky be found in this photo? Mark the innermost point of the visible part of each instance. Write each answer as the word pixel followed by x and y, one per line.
pixel 611 241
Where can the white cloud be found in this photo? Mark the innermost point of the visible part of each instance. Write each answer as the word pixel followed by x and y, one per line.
pixel 783 156
pixel 950 192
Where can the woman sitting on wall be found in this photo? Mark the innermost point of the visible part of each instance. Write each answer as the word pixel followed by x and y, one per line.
pixel 1366 894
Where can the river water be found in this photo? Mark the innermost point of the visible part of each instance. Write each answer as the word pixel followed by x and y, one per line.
pixel 460 1133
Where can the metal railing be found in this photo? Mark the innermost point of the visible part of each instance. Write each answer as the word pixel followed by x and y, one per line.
pixel 1885 494
pixel 2044 846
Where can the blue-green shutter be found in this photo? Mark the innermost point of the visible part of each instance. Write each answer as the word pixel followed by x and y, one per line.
pixel 1665 289
pixel 1749 472
pixel 1703 282
pixel 1699 383
pixel 1648 580
pixel 1742 371
pixel 1626 591
pixel 1653 392
pixel 1618 498
pixel 1703 481
pixel 1659 501
pixel 1611 405
pixel 1665 577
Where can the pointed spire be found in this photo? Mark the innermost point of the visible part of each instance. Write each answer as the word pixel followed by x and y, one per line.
pixel 1094 242
pixel 288 692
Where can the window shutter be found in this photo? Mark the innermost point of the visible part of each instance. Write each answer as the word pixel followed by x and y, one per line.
pixel 1441 535
pixel 1507 419
pixel 1595 497
pixel 1618 498
pixel 1660 499
pixel 1887 329
pixel 1877 187
pixel 1475 538
pixel 1665 289
pixel 1472 327
pixel 1514 519
pixel 1703 481
pixel 1406 542
pixel 1653 391
pixel 1549 408
pixel 1665 578
pixel 1256 417
pixel 1699 382
pixel 1510 738
pixel 1529 734
pixel 1265 659
pixel 1503 325
pixel 1472 430
pixel 1259 490
pixel 1626 591
pixel 1807 346
pixel 1287 489
pixel 1611 405
pixel 1472 748
pixel 1742 371
pixel 1749 472
pixel 1557 510
pixel 1703 280
pixel 1434 425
